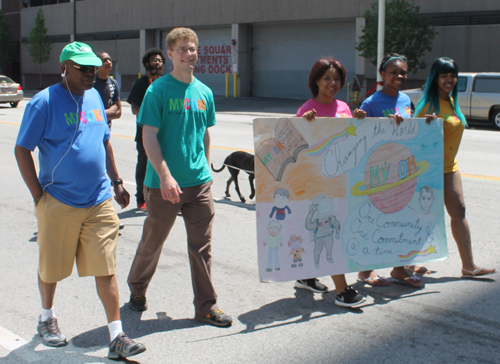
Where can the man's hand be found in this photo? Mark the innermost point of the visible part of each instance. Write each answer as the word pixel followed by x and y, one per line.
pixel 122 196
pixel 170 190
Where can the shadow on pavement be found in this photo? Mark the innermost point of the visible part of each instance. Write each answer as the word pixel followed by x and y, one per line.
pixel 134 327
pixel 132 213
pixel 300 309
pixel 396 291
pixel 227 201
pixel 303 306
pixel 67 354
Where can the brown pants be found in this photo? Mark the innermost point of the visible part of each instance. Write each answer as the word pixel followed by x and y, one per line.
pixel 198 211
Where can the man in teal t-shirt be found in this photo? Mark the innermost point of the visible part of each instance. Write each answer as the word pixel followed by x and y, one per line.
pixel 176 113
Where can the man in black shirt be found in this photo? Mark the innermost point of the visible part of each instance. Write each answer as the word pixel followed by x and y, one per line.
pixel 108 88
pixel 153 60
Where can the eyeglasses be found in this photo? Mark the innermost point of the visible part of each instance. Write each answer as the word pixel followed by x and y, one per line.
pixel 85 69
pixel 156 60
pixel 184 50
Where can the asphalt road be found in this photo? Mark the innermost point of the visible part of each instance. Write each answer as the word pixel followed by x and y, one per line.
pixel 451 320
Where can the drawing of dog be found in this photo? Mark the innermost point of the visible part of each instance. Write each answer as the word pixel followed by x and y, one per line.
pixel 244 161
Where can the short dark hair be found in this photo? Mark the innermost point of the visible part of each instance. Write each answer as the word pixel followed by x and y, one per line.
pixel 152 52
pixel 318 70
pixel 99 54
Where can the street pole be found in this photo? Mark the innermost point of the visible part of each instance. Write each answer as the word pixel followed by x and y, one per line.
pixel 73 36
pixel 381 36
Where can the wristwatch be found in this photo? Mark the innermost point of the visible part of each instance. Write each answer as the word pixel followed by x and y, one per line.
pixel 118 182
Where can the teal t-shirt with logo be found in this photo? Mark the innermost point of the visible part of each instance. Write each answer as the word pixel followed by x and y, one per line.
pixel 182 112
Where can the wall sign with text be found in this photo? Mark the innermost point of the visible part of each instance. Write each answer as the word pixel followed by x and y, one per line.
pixel 214 59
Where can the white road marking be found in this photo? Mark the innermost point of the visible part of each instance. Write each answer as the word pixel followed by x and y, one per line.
pixel 10 341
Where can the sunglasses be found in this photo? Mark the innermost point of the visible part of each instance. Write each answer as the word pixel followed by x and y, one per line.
pixel 85 69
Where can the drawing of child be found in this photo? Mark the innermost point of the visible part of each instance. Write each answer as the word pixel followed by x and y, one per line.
pixel 281 197
pixel 296 250
pixel 274 240
pixel 426 199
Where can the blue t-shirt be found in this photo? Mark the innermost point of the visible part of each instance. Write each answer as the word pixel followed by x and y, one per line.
pixel 382 105
pixel 50 123
pixel 182 112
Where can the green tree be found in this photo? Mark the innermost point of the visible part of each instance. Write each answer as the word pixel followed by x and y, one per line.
pixel 38 42
pixel 406 32
pixel 6 44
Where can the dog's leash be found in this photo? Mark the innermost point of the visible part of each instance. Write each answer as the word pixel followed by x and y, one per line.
pixel 244 170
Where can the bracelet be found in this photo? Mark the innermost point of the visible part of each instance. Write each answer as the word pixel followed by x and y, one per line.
pixel 118 182
pixel 38 198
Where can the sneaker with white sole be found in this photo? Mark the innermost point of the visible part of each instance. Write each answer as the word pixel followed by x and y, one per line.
pixel 50 333
pixel 216 318
pixel 349 297
pixel 312 284
pixel 123 346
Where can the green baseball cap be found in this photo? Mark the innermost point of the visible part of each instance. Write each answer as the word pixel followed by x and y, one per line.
pixel 81 54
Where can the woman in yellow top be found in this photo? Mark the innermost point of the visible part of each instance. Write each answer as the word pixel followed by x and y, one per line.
pixel 440 100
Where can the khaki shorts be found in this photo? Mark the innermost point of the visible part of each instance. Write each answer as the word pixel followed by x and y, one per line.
pixel 66 233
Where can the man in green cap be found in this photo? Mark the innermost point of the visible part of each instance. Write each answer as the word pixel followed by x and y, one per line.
pixel 71 193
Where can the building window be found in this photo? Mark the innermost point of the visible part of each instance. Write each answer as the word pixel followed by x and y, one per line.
pixel 32 3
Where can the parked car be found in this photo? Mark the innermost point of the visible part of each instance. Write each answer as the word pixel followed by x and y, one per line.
pixel 478 96
pixel 10 91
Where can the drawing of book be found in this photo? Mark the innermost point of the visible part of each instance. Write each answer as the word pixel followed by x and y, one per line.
pixel 275 153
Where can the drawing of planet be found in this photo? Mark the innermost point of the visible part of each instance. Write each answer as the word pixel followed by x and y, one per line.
pixel 390 177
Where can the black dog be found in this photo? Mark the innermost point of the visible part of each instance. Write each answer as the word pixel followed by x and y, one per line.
pixel 244 161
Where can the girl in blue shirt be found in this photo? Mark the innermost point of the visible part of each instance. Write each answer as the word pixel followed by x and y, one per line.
pixel 391 102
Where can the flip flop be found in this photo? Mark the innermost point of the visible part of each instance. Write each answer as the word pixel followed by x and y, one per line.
pixel 476 273
pixel 411 281
pixel 375 281
pixel 418 269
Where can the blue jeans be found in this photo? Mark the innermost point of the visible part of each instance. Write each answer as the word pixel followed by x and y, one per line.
pixel 273 252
